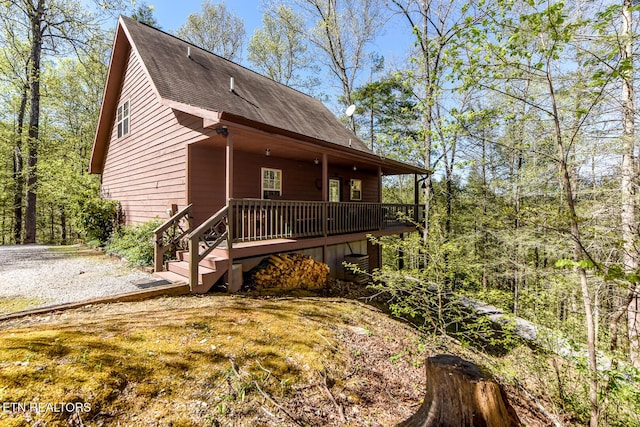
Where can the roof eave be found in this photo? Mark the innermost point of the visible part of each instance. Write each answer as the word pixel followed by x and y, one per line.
pixel 115 75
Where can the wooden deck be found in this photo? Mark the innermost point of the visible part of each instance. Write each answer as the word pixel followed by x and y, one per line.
pixel 265 247
pixel 249 228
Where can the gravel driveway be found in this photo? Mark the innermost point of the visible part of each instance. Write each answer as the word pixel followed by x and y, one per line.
pixel 56 275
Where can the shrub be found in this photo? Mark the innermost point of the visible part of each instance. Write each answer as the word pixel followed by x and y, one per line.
pixel 95 218
pixel 134 243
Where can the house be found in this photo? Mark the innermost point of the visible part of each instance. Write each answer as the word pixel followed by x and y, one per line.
pixel 238 164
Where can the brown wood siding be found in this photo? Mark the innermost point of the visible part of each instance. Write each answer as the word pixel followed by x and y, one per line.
pixel 370 189
pixel 206 179
pixel 300 180
pixel 146 169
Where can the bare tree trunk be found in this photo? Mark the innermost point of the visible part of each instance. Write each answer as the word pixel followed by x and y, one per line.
pixel 517 191
pixel 36 15
pixel 629 177
pixel 485 203
pixel 63 225
pixel 579 256
pixel 18 179
pixel 517 203
pixel 18 164
pixel 428 118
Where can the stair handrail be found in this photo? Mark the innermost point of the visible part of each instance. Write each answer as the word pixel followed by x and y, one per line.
pixel 162 245
pixel 208 235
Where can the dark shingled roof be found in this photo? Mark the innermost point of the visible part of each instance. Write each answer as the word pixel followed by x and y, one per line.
pixel 203 81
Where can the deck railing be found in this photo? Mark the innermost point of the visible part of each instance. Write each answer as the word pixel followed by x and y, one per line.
pixel 171 236
pixel 204 239
pixel 254 219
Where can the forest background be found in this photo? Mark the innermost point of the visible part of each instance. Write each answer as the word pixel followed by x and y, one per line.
pixel 524 112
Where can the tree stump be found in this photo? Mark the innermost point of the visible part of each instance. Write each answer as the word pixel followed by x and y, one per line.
pixel 459 395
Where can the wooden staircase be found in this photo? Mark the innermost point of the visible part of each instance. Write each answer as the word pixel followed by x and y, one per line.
pixel 210 270
pixel 199 266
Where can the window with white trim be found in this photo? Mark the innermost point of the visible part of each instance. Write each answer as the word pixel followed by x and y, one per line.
pixel 122 119
pixel 271 183
pixel 356 189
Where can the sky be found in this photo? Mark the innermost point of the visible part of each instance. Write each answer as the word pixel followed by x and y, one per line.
pixel 172 14
pixel 393 43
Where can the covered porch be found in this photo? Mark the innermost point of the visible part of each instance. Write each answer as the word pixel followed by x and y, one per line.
pixel 273 193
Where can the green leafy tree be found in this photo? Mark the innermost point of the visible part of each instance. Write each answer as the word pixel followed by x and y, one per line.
pixel 144 13
pixel 215 29
pixel 340 34
pixel 49 26
pixel 279 50
pixel 387 112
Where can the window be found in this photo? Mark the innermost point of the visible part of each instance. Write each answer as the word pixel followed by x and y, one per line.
pixel 334 190
pixel 271 183
pixel 122 119
pixel 356 189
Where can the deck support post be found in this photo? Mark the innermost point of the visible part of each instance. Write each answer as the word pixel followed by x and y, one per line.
pixel 194 262
pixel 401 254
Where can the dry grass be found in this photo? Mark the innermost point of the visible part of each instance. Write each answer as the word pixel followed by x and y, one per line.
pixel 10 305
pixel 214 360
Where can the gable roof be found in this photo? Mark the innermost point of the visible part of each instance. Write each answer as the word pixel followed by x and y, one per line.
pixel 196 81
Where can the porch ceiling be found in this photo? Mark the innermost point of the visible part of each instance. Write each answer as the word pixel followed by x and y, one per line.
pixel 255 141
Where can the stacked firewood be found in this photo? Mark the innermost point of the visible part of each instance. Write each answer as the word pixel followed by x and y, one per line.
pixel 292 271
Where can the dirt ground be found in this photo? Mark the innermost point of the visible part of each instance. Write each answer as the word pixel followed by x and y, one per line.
pixel 324 359
pixel 372 374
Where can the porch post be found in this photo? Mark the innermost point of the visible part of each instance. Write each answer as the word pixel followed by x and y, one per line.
pixel 380 209
pixel 325 178
pixel 379 184
pixel 229 196
pixel 229 168
pixel 416 197
pixel 325 200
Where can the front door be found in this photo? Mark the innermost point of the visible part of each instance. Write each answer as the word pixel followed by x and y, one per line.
pixel 334 190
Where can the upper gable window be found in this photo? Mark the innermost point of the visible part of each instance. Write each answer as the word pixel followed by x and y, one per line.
pixel 122 119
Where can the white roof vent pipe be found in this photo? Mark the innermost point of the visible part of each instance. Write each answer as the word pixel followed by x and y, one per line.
pixel 232 85
pixel 189 52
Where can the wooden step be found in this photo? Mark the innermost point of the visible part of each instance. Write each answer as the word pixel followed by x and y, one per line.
pixel 209 261
pixel 182 268
pixel 207 277
pixel 171 277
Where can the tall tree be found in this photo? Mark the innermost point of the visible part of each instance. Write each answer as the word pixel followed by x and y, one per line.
pixel 629 181
pixel 15 71
pixel 437 25
pixel 215 29
pixel 144 13
pixel 35 12
pixel 342 30
pixel 51 26
pixel 279 49
pixel 535 47
pixel 386 110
